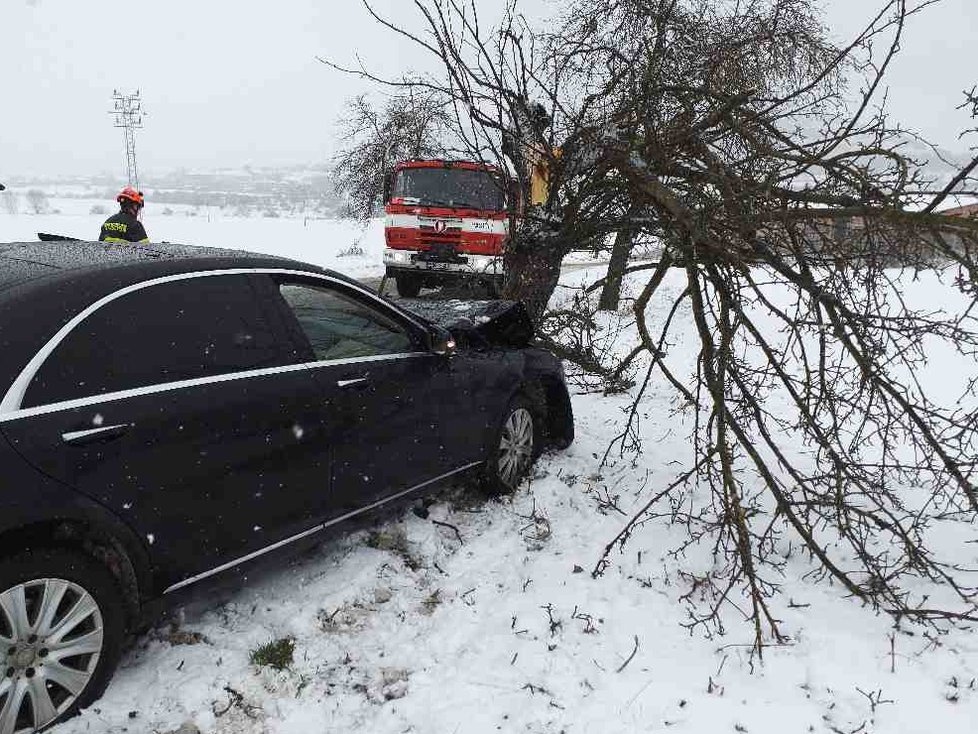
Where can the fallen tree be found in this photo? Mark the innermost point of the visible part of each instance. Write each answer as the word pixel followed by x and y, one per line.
pixel 727 132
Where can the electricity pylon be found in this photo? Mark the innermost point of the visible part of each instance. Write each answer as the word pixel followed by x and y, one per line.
pixel 128 114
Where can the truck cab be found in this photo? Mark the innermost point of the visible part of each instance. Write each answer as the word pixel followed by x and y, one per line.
pixel 445 220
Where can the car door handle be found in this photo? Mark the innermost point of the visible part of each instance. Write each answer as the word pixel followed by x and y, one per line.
pixel 95 434
pixel 352 383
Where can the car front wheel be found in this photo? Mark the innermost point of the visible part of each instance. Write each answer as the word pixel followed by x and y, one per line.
pixel 514 448
pixel 61 631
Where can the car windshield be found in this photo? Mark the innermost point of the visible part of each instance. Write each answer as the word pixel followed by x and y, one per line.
pixel 454 187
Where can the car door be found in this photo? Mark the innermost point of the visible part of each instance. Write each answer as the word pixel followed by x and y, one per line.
pixel 389 392
pixel 180 407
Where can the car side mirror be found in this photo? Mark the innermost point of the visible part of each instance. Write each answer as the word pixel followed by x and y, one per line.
pixel 442 342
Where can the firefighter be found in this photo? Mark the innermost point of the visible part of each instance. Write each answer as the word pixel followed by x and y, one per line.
pixel 125 226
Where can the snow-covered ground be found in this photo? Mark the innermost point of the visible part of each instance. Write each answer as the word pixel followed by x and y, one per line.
pixel 411 628
pixel 343 245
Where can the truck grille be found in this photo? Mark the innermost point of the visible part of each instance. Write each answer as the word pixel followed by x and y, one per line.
pixel 440 230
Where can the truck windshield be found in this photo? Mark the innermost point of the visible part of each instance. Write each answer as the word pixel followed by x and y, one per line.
pixel 452 187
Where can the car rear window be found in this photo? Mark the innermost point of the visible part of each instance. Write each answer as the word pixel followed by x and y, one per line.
pixel 180 330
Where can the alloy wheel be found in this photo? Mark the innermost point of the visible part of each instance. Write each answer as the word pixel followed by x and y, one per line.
pixel 51 638
pixel 516 447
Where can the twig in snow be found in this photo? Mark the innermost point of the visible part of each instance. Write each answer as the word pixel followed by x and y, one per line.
pixel 931 614
pixel 722 663
pixel 588 620
pixel 237 700
pixel 452 528
pixel 630 657
pixel 555 624
pixel 875 698
pixel 641 690
pixel 536 689
pixel 622 537
pixel 857 730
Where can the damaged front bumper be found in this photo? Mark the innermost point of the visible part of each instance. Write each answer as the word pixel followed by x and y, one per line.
pixel 477 323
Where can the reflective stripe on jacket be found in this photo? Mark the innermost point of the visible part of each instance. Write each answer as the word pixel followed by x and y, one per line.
pixel 123 227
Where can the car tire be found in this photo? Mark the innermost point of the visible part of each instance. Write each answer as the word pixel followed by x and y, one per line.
pixel 408 286
pixel 514 447
pixel 62 628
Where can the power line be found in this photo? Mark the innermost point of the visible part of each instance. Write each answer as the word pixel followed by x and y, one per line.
pixel 128 114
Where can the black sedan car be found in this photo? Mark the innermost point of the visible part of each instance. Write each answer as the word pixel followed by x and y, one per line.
pixel 169 414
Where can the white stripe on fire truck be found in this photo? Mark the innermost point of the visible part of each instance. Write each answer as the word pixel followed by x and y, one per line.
pixel 469 224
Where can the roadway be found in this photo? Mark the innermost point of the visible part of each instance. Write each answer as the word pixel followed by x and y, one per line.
pixel 461 289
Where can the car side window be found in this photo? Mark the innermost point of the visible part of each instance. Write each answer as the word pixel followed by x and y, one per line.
pixel 340 327
pixel 181 330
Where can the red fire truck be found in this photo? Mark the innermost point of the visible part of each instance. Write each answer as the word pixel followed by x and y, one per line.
pixel 445 220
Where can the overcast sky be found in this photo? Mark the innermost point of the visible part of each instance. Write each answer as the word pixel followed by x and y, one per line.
pixel 234 82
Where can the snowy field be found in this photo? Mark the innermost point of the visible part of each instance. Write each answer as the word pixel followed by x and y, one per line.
pixel 342 245
pixel 409 627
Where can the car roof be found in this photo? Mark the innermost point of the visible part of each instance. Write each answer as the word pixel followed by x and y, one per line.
pixel 44 284
pixel 24 261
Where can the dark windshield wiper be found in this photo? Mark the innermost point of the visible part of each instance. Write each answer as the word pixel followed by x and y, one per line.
pixel 436 202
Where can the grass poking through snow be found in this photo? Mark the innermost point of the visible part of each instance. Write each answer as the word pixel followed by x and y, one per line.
pixel 277 654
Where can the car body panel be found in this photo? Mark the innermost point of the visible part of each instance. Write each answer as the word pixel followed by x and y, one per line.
pixel 204 475
pixel 30 499
pixel 389 403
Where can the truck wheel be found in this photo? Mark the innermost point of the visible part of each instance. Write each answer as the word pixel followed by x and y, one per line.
pixel 62 625
pixel 494 287
pixel 408 286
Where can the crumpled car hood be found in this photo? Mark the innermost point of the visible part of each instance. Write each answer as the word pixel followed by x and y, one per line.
pixel 477 323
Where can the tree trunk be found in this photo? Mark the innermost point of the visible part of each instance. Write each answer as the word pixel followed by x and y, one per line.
pixel 611 292
pixel 620 252
pixel 532 271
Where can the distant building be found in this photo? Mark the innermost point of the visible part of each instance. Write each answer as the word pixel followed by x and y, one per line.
pixel 968 210
pixel 834 239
